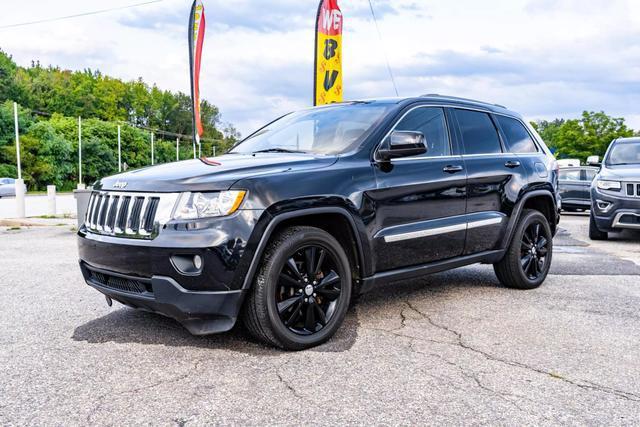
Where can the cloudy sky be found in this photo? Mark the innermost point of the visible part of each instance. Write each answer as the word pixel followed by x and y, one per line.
pixel 543 58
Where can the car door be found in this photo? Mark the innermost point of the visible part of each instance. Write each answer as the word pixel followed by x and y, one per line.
pixel 494 179
pixel 419 201
pixel 571 186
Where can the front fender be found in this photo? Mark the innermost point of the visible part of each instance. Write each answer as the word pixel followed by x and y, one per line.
pixel 276 215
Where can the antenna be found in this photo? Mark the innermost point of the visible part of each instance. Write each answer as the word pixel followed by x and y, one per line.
pixel 384 51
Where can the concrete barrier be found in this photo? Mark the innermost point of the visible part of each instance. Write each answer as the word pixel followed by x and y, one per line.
pixel 82 202
pixel 51 200
pixel 20 194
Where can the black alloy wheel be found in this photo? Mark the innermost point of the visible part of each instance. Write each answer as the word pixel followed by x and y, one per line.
pixel 309 289
pixel 527 260
pixel 301 293
pixel 534 250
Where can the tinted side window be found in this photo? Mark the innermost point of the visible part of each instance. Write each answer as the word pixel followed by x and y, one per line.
pixel 432 123
pixel 518 139
pixel 569 175
pixel 479 134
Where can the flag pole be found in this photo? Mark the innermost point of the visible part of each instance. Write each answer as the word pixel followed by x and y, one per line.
pixel 19 184
pixel 119 151
pixel 196 40
pixel 80 187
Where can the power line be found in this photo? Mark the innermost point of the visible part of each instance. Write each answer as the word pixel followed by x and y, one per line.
pixel 133 125
pixel 384 51
pixel 78 15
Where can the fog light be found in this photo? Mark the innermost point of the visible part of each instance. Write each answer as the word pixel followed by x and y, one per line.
pixel 197 262
pixel 603 205
pixel 188 265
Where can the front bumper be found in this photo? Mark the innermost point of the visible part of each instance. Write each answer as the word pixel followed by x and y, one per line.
pixel 620 212
pixel 200 312
pixel 152 275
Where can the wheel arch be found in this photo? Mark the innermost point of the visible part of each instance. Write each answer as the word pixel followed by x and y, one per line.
pixel 540 200
pixel 335 220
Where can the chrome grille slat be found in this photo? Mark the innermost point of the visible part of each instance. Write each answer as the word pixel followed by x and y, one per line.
pixel 632 189
pixel 87 216
pixel 106 202
pixel 134 217
pixel 111 215
pixel 96 211
pixel 129 214
pixel 123 211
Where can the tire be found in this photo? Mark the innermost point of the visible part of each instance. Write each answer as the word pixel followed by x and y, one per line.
pixel 526 265
pixel 594 232
pixel 277 310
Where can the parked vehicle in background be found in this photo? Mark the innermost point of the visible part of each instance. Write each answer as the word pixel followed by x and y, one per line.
pixel 320 205
pixel 615 192
pixel 567 163
pixel 574 187
pixel 8 187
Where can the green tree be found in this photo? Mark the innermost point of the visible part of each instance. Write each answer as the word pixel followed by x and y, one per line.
pixel 579 138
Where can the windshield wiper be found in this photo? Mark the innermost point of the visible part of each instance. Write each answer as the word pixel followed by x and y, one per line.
pixel 278 150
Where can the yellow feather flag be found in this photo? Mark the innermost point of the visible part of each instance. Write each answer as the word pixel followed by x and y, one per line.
pixel 328 55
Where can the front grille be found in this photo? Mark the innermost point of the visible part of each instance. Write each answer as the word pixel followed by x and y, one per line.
pixel 120 283
pixel 633 189
pixel 132 215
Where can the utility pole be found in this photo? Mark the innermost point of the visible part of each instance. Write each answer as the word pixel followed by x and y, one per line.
pixel 119 151
pixel 152 151
pixel 194 148
pixel 177 149
pixel 80 186
pixel 15 119
pixel 214 151
pixel 19 184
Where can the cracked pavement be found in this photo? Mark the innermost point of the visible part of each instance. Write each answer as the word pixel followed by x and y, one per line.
pixel 452 348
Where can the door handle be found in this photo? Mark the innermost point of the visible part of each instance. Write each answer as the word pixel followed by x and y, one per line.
pixel 512 164
pixel 453 169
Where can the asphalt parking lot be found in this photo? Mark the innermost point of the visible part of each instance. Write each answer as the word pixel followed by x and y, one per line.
pixel 454 348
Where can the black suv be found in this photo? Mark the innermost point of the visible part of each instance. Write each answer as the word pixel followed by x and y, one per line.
pixel 615 192
pixel 319 206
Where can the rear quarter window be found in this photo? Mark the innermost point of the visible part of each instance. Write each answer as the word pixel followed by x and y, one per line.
pixel 517 138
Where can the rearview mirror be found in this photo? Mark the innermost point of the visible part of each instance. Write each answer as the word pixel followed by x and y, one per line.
pixel 593 160
pixel 402 144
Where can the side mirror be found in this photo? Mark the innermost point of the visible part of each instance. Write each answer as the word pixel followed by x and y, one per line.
pixel 593 160
pixel 402 144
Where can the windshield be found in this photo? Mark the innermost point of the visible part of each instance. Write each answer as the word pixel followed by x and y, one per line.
pixel 327 130
pixel 627 153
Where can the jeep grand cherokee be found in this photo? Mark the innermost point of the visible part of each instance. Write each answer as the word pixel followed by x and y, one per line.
pixel 320 205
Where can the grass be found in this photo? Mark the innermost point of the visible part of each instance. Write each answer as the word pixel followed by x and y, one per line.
pixel 44 193
pixel 63 216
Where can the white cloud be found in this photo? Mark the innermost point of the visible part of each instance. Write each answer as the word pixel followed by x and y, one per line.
pixel 545 59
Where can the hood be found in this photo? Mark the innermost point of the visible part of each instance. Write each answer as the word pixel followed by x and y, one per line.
pixel 621 172
pixel 197 175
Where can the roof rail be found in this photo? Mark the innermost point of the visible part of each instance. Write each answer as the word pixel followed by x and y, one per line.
pixel 437 95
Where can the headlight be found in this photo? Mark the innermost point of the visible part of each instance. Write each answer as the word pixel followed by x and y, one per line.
pixel 609 185
pixel 208 205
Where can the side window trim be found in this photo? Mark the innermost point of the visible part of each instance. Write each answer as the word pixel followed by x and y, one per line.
pixel 402 117
pixel 503 141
